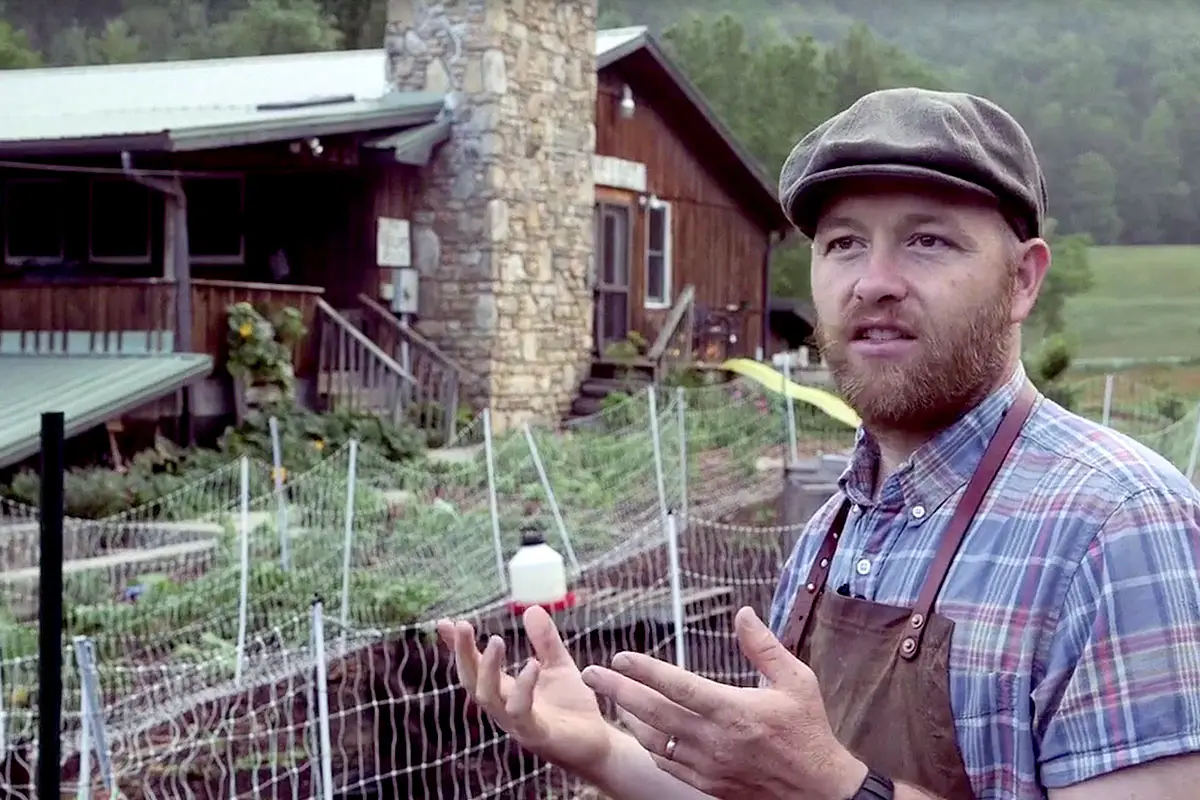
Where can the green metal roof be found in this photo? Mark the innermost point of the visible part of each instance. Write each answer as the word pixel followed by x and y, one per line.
pixel 89 390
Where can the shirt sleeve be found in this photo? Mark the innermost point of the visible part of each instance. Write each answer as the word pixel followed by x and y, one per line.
pixel 1122 680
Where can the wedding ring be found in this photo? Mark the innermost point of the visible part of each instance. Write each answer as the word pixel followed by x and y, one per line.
pixel 669 750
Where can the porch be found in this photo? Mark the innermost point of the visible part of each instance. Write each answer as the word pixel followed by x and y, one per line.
pixel 360 358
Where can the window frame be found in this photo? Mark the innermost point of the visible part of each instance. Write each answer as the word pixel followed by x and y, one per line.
pixel 227 259
pixel 48 259
pixel 664 255
pixel 138 260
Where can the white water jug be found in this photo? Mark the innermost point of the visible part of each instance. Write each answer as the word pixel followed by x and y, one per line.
pixel 537 575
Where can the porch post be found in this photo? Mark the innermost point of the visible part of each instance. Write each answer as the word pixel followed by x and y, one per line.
pixel 177 264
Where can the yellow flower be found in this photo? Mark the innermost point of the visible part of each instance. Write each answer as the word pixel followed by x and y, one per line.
pixel 246 330
pixel 280 473
pixel 319 444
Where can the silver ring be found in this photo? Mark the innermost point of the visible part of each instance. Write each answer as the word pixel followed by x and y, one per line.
pixel 669 750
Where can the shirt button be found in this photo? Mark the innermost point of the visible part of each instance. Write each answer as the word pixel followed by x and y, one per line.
pixel 918 512
pixel 863 566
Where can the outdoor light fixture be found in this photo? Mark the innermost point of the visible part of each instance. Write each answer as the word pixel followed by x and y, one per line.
pixel 627 104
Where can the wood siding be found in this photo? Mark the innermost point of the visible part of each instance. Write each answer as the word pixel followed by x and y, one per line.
pixel 716 245
pixel 133 315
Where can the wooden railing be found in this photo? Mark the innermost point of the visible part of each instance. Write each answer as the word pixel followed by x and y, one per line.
pixel 673 345
pixel 437 379
pixel 210 315
pixel 353 372
pixel 88 317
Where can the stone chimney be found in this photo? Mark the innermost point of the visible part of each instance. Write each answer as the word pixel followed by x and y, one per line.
pixel 502 228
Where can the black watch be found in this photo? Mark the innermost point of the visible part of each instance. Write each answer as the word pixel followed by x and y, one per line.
pixel 875 787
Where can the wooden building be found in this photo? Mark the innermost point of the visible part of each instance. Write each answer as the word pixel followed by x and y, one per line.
pixel 173 191
pixel 679 201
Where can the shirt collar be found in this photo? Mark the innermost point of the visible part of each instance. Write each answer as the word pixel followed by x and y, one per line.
pixel 940 466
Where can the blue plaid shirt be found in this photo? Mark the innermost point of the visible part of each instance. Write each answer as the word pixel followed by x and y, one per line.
pixel 1075 595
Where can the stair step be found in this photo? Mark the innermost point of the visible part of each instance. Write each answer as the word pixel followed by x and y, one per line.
pixel 585 406
pixel 602 387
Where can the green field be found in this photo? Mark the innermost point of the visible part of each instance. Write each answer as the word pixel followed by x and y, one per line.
pixel 1145 304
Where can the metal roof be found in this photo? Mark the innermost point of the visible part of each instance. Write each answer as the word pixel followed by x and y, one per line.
pixel 185 105
pixel 89 390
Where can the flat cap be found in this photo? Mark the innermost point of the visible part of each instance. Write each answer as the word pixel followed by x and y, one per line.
pixel 951 138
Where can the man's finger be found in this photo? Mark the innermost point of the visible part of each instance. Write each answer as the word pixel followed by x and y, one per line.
pixel 489 689
pixel 544 636
pixel 642 702
pixel 519 706
pixel 678 685
pixel 466 655
pixel 760 646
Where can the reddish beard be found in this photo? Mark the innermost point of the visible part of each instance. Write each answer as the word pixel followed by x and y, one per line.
pixel 959 360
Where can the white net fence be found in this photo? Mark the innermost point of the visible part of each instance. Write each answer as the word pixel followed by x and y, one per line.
pixel 237 640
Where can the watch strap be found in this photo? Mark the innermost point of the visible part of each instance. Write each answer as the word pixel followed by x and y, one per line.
pixel 876 787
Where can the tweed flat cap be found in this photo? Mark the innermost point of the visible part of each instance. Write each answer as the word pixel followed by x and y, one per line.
pixel 951 138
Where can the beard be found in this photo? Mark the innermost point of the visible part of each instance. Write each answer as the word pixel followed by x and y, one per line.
pixel 958 361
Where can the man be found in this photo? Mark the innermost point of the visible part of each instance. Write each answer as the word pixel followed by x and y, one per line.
pixel 1002 600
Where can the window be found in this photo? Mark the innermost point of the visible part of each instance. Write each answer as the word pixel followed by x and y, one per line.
pixel 118 222
pixel 33 220
pixel 658 255
pixel 216 232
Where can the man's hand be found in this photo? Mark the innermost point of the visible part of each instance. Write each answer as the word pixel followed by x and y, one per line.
pixel 546 708
pixel 774 741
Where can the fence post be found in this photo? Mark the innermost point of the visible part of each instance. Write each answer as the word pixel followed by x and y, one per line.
pixel 281 511
pixel 244 558
pixel 1194 456
pixel 656 442
pixel 675 577
pixel 681 415
pixel 489 455
pixel 318 634
pixel 1106 412
pixel 348 545
pixel 790 410
pixel 551 499
pixel 91 720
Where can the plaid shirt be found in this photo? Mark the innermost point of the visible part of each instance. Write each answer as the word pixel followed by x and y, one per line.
pixel 1075 595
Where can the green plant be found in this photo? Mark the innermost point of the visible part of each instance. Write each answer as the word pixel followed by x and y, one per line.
pixel 261 344
pixel 1048 367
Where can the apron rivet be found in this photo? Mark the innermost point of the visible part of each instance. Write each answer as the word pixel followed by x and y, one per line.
pixel 824 563
pixel 811 587
pixel 917 620
pixel 908 646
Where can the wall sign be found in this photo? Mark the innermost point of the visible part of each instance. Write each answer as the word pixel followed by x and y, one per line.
pixel 393 245
pixel 617 173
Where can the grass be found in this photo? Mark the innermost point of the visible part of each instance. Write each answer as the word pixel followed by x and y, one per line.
pixel 1145 304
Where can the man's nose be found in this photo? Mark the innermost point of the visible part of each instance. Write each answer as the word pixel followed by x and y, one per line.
pixel 881 280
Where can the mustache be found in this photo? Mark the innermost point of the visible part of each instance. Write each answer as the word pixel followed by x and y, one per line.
pixel 851 323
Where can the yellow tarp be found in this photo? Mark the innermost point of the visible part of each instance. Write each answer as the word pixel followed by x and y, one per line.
pixel 773 379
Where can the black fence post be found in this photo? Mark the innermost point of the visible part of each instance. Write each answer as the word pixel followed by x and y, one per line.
pixel 50 609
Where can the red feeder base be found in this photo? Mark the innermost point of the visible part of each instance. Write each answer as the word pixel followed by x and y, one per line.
pixel 559 605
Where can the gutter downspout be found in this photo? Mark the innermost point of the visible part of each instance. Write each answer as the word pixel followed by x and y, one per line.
pixel 176 199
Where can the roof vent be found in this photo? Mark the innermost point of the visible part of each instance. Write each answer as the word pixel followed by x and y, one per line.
pixel 315 101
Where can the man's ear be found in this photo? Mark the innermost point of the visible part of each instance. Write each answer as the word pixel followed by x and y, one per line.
pixel 1030 263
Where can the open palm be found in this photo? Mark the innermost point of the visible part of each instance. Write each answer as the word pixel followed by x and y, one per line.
pixel 547 708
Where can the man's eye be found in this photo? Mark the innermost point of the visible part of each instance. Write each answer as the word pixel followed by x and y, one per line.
pixel 840 243
pixel 928 240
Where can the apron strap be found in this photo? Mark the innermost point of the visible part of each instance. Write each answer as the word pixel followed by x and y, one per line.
pixel 964 514
pixel 807 594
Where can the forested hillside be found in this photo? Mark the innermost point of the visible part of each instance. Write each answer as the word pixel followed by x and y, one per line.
pixel 1109 91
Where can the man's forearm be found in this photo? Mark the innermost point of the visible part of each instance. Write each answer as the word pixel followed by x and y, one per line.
pixel 906 792
pixel 631 774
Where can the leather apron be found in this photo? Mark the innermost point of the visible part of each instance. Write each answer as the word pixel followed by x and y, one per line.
pixel 884 671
